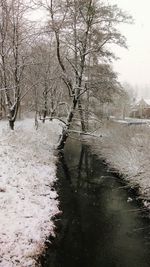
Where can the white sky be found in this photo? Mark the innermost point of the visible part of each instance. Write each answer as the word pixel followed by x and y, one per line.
pixel 134 65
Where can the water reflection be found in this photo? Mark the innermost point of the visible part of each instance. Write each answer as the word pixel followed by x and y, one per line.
pixel 100 228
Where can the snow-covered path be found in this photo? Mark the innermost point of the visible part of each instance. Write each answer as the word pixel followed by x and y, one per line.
pixel 27 199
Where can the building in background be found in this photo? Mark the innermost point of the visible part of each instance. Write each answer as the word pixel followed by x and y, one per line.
pixel 141 109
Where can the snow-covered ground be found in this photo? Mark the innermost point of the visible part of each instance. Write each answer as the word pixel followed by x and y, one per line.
pixel 126 149
pixel 27 199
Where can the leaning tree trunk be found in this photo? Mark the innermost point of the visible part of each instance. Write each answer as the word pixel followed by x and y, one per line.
pixel 82 120
pixel 65 131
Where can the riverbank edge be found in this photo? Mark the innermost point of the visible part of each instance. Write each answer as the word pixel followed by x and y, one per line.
pixel 53 242
pixel 136 188
pixel 34 186
pixel 52 239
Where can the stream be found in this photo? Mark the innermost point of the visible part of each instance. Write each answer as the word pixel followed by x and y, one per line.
pixel 102 224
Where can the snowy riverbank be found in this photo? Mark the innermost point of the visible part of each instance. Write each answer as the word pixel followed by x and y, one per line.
pixel 27 199
pixel 126 150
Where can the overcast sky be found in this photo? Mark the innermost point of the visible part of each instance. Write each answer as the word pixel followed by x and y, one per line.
pixel 134 65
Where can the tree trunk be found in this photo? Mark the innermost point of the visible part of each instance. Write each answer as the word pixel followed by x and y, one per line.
pixel 44 115
pixel 65 133
pixel 36 120
pixel 45 104
pixel 87 113
pixel 13 115
pixel 11 124
pixel 83 126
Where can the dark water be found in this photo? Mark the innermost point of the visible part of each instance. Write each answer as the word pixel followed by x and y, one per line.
pixel 100 227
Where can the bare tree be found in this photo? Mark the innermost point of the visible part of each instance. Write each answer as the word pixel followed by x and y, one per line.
pixel 45 73
pixel 84 27
pixel 13 37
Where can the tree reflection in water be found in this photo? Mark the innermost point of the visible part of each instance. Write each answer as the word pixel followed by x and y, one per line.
pixel 97 227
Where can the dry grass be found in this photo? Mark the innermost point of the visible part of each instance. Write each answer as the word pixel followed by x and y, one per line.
pixel 127 150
